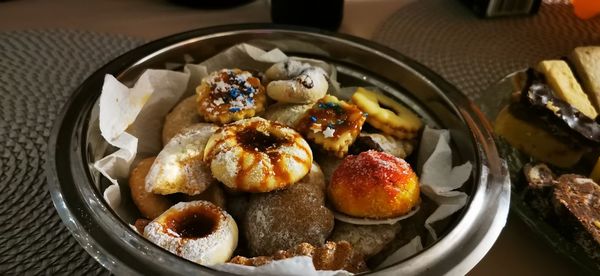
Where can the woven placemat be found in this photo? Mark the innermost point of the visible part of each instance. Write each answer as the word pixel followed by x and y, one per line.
pixel 472 53
pixel 38 72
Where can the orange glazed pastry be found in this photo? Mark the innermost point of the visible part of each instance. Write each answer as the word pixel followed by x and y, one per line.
pixel 374 185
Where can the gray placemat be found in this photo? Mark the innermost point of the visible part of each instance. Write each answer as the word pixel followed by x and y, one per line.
pixel 38 72
pixel 472 53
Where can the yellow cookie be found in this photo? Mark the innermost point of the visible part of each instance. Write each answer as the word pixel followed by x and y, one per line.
pixel 386 114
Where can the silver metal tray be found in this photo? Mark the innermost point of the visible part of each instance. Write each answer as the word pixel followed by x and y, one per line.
pixel 115 245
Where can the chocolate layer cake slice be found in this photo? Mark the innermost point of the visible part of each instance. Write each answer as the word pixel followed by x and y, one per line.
pixel 576 202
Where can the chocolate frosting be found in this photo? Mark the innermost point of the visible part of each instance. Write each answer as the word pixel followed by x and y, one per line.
pixel 539 101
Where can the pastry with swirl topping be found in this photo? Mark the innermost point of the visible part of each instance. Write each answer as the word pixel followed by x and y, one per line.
pixel 256 155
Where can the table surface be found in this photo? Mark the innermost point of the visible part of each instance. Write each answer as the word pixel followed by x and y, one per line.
pixel 517 251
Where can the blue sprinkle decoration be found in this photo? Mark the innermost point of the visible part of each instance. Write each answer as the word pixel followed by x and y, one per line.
pixel 329 104
pixel 313 118
pixel 234 92
pixel 366 114
pixel 249 90
pixel 249 101
pixel 235 109
pixel 322 106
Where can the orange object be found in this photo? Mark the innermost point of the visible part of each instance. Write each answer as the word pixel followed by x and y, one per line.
pixel 586 9
pixel 374 185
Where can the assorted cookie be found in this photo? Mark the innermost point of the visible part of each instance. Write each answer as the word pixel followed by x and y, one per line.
pixel 286 218
pixel 224 167
pixel 198 231
pixel 387 115
pixel 295 82
pixel 180 167
pixel 332 124
pixel 375 185
pixel 229 95
pixel 256 155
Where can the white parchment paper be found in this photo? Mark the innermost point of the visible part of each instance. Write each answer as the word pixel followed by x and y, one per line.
pixel 297 266
pixel 439 178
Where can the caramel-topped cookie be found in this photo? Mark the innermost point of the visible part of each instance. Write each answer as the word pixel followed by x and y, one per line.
pixel 256 155
pixel 333 124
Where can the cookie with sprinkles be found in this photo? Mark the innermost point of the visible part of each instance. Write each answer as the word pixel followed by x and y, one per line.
pixel 333 124
pixel 230 95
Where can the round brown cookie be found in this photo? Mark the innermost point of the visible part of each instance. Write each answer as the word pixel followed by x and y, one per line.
pixel 183 115
pixel 282 219
pixel 150 205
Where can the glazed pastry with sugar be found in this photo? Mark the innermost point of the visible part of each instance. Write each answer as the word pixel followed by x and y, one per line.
pixel 282 219
pixel 256 155
pixel 179 167
pixel 374 185
pixel 198 231
pixel 229 95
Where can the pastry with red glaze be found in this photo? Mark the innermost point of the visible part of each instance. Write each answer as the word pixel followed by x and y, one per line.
pixel 374 185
